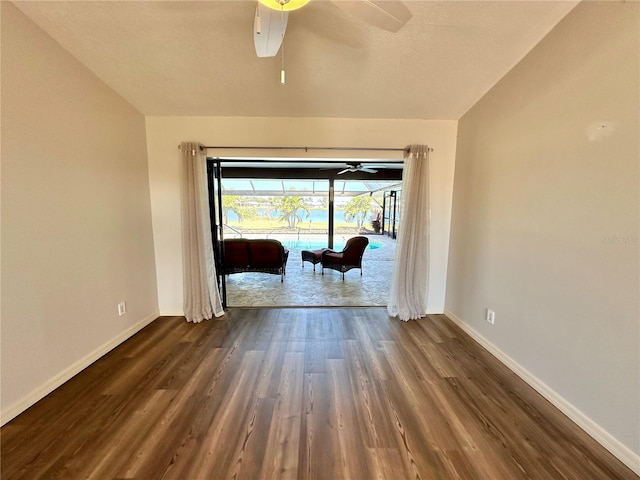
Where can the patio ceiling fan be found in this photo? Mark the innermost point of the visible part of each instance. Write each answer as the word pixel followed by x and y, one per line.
pixel 357 167
pixel 270 19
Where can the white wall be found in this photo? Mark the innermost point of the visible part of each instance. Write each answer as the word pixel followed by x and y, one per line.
pixel 76 219
pixel 545 225
pixel 165 133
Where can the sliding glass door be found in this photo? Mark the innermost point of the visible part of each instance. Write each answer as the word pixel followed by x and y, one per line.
pixel 357 205
pixel 293 211
pixel 214 181
pixel 391 213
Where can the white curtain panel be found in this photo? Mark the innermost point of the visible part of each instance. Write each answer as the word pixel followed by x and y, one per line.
pixel 201 295
pixel 410 277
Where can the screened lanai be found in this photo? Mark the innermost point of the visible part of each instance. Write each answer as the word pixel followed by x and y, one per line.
pixel 309 206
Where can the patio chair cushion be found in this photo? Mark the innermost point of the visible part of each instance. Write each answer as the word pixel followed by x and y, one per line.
pixel 350 257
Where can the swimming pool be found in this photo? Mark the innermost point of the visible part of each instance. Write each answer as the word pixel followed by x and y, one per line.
pixel 303 244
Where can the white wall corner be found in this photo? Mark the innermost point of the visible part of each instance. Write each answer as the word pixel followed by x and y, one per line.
pixel 599 434
pixel 45 389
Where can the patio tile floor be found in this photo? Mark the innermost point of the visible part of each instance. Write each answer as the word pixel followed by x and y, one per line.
pixel 304 287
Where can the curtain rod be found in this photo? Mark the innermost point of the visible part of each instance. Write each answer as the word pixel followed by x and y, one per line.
pixel 306 149
pixel 298 161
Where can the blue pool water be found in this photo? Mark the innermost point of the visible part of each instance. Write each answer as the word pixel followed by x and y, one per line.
pixel 318 244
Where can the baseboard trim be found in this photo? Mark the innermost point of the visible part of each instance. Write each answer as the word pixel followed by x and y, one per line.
pixel 599 434
pixel 39 393
pixel 171 313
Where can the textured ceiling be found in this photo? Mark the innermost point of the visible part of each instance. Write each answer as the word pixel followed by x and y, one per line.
pixel 197 58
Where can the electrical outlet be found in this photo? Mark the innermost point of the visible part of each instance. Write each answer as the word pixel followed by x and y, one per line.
pixel 122 308
pixel 491 316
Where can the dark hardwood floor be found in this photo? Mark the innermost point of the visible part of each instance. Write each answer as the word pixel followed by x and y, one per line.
pixel 299 393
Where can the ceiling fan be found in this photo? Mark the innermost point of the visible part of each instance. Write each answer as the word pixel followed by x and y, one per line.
pixel 270 20
pixel 357 167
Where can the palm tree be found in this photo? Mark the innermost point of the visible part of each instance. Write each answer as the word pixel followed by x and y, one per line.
pixel 289 207
pixel 357 209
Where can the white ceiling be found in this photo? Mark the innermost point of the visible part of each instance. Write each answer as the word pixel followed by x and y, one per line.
pixel 197 58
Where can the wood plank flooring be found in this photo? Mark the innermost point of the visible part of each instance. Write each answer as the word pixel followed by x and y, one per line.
pixel 299 394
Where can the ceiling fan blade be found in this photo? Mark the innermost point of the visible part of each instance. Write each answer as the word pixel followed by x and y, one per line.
pixel 389 15
pixel 272 25
pixel 344 171
pixel 368 170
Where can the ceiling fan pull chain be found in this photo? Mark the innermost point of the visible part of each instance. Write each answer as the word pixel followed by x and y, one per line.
pixel 282 74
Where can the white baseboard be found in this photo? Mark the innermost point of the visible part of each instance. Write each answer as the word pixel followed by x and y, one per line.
pixel 69 372
pixel 604 438
pixel 171 313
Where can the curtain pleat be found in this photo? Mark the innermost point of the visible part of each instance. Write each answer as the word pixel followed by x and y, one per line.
pixel 200 288
pixel 410 277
